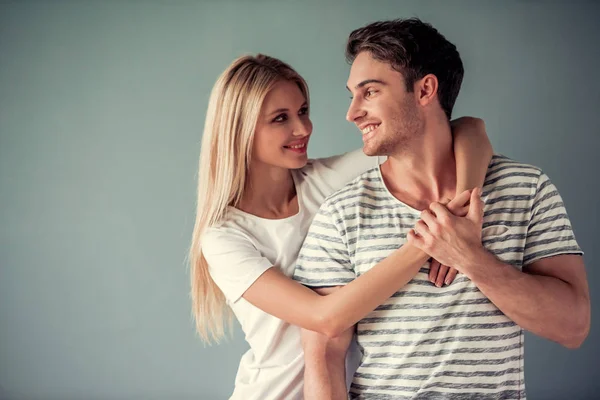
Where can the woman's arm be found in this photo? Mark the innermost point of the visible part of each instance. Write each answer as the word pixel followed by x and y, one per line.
pixel 331 315
pixel 325 361
pixel 473 153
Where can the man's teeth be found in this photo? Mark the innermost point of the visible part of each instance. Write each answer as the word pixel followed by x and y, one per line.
pixel 369 128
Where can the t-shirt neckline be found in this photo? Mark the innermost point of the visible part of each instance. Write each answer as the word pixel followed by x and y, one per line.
pixel 276 220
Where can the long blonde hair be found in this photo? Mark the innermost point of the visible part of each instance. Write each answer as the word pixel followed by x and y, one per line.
pixel 233 111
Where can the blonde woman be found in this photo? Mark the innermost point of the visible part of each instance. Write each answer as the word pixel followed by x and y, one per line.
pixel 257 195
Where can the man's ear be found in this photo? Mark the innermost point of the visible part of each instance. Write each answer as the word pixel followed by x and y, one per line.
pixel 426 89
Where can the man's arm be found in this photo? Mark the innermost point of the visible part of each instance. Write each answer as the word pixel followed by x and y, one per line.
pixel 325 362
pixel 550 297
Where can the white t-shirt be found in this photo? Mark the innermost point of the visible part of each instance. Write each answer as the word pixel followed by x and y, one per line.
pixel 243 246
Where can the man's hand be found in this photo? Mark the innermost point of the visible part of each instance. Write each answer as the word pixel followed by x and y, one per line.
pixel 438 273
pixel 451 240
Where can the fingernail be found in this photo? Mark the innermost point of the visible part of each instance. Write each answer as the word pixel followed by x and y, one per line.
pixel 438 284
pixel 447 281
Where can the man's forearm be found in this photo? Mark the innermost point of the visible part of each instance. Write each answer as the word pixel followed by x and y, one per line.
pixel 325 366
pixel 543 305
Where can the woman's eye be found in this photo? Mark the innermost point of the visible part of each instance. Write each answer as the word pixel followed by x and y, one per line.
pixel 280 118
pixel 303 111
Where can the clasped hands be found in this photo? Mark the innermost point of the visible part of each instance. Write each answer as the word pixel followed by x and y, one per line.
pixel 450 232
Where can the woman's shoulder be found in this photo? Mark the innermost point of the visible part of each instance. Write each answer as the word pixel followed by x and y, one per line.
pixel 332 173
pixel 333 162
pixel 228 230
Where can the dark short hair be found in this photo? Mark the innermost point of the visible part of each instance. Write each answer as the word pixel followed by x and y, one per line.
pixel 413 48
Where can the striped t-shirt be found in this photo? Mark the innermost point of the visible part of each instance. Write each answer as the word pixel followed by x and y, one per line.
pixel 427 342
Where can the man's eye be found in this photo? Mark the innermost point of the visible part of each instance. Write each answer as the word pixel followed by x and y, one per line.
pixel 280 118
pixel 370 93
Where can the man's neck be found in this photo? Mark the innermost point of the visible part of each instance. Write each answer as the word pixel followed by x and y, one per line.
pixel 425 172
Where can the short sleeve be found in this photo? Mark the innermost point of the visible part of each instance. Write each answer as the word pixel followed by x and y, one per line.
pixel 234 262
pixel 337 171
pixel 549 232
pixel 324 260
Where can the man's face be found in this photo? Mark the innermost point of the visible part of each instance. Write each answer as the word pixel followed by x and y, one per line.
pixel 387 115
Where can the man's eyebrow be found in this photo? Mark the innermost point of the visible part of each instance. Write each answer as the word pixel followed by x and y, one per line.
pixel 366 82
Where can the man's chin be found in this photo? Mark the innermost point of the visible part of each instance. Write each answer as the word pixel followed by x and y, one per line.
pixel 370 151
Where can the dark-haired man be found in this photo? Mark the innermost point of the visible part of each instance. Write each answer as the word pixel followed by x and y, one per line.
pixel 521 267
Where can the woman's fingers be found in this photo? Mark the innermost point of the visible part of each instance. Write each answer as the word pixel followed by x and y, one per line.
pixel 452 272
pixel 433 271
pixel 441 276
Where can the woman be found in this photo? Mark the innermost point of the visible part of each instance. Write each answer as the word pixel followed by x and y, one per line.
pixel 257 196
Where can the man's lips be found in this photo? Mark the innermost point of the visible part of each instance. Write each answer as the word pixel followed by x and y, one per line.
pixel 369 130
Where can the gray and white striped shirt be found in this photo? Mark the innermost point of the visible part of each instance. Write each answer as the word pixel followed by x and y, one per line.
pixel 429 342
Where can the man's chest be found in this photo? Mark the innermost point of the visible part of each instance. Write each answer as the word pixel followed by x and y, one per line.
pixel 375 233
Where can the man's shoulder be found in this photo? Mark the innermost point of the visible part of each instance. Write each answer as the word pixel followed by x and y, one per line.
pixel 502 170
pixel 513 185
pixel 500 162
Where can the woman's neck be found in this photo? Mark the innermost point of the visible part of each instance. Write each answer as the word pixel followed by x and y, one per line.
pixel 269 192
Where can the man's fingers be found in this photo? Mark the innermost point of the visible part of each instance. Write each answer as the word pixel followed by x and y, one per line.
pixel 421 228
pixel 413 239
pixel 428 217
pixel 440 211
pixel 433 271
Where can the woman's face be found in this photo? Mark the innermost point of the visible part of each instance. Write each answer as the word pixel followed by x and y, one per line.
pixel 283 128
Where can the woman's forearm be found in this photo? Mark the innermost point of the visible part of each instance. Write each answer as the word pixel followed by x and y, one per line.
pixel 343 308
pixel 286 299
pixel 472 152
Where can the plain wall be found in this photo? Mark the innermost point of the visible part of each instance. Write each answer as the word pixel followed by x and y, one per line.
pixel 102 106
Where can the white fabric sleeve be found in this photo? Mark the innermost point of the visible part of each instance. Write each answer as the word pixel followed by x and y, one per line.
pixel 337 171
pixel 234 262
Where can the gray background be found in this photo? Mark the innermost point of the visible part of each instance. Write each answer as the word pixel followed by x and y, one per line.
pixel 101 113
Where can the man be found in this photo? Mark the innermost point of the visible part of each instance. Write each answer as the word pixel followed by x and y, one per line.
pixel 520 266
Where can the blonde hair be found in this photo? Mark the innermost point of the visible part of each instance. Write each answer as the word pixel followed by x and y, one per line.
pixel 233 111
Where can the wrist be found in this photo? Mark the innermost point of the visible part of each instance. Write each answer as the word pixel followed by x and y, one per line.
pixel 474 260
